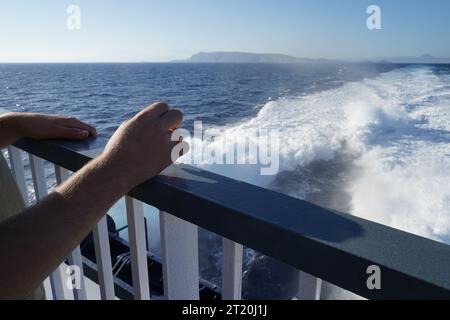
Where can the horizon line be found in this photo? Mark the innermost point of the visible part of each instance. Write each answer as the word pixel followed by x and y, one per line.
pixel 190 62
pixel 372 59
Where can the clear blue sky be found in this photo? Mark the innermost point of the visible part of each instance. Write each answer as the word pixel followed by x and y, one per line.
pixel 159 30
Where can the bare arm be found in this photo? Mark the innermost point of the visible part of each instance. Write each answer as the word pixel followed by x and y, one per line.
pixel 34 243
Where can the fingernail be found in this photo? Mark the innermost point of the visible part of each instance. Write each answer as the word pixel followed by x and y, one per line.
pixel 83 133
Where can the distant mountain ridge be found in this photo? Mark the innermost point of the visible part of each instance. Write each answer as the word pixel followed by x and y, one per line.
pixel 246 57
pixel 425 59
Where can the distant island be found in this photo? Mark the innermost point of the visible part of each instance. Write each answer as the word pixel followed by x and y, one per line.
pixel 247 57
pixel 425 59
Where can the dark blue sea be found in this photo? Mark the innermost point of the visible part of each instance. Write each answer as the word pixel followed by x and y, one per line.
pixel 218 94
pixel 372 140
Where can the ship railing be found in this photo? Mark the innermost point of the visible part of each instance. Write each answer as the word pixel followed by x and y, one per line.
pixel 369 259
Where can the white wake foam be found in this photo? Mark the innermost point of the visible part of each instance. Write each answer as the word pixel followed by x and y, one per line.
pixel 395 125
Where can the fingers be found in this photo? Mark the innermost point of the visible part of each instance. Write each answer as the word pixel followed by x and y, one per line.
pixel 155 111
pixel 77 124
pixel 61 132
pixel 171 119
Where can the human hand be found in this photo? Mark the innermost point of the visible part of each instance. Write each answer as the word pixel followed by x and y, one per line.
pixel 40 126
pixel 141 148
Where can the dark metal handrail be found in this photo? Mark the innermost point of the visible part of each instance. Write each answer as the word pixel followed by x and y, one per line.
pixel 330 245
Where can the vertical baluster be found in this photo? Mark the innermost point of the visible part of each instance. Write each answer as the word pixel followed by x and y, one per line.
pixel 75 258
pixel 309 287
pixel 138 248
pixel 179 244
pixel 39 178
pixel 17 168
pixel 231 270
pixel 18 171
pixel 61 174
pixel 48 289
pixel 103 256
pixel 40 190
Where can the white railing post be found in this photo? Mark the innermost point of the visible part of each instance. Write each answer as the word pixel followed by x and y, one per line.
pixel 231 270
pixel 18 171
pixel 148 233
pixel 39 178
pixel 61 174
pixel 103 257
pixel 179 246
pixel 17 168
pixel 40 191
pixel 309 287
pixel 138 248
pixel 75 258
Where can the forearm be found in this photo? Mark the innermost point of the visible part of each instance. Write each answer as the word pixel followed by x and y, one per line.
pixel 9 130
pixel 35 242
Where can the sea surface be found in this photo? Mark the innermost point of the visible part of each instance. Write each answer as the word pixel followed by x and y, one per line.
pixel 372 140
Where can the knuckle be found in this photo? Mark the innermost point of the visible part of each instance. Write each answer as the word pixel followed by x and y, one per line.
pixel 160 104
pixel 144 113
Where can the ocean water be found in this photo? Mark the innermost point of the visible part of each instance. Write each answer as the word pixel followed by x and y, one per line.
pixel 372 140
